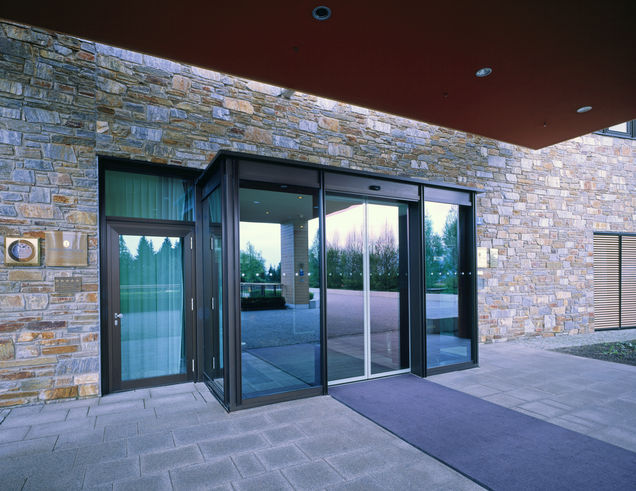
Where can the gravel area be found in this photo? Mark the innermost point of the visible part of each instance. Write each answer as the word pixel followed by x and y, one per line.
pixel 563 341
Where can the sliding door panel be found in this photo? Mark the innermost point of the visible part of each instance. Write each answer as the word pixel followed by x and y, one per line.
pixel 388 286
pixel 344 226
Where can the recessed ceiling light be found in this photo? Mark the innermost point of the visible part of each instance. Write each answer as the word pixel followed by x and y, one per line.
pixel 483 72
pixel 321 13
pixel 584 109
pixel 257 202
pixel 299 197
pixel 267 212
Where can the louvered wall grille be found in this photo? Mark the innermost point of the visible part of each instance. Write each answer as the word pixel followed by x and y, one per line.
pixel 606 282
pixel 628 281
pixel 614 281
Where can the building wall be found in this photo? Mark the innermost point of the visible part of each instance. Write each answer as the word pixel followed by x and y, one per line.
pixel 64 101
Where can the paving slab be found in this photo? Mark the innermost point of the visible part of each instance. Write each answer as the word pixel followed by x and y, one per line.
pixel 590 396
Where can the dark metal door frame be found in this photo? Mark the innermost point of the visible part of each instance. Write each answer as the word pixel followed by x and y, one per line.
pixel 115 228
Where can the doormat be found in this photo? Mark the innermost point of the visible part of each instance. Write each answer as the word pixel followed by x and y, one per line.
pixel 496 447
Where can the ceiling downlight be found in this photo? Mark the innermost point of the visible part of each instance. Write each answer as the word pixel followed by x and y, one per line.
pixel 584 109
pixel 321 13
pixel 483 72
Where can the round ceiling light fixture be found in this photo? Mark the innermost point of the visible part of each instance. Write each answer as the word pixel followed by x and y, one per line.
pixel 321 13
pixel 483 72
pixel 584 109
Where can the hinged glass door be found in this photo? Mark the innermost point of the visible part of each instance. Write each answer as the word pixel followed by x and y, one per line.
pixel 151 304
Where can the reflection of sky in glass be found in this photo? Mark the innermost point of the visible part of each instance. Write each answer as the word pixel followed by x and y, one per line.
pixel 132 242
pixel 265 237
pixel 380 218
pixel 437 213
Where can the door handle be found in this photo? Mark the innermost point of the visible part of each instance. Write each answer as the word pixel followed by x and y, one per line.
pixel 117 317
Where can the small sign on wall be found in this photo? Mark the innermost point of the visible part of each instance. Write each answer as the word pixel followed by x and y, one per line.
pixel 66 249
pixel 68 284
pixel 20 251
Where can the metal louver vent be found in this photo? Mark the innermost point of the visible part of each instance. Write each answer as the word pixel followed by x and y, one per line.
pixel 606 282
pixel 628 281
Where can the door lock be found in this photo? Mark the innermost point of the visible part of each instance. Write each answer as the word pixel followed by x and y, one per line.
pixel 117 317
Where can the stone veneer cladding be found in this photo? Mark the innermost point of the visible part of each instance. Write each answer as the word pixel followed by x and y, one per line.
pixel 64 101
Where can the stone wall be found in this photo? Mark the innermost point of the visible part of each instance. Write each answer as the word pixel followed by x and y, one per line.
pixel 65 101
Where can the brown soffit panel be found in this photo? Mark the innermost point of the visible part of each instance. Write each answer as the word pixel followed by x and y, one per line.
pixel 413 59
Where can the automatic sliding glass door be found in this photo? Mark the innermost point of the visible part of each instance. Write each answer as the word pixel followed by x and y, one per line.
pixel 367 289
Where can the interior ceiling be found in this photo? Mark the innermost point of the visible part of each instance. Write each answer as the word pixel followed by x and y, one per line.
pixel 415 59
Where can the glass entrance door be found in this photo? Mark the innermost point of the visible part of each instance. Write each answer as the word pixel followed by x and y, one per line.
pixel 150 304
pixel 367 288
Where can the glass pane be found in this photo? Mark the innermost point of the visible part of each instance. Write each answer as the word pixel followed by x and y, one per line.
pixel 447 340
pixel 148 196
pixel 621 127
pixel 280 281
pixel 388 296
pixel 213 286
pixel 344 227
pixel 151 289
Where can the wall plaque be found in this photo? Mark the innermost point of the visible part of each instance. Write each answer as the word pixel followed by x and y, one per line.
pixel 66 249
pixel 494 258
pixel 20 251
pixel 482 257
pixel 65 284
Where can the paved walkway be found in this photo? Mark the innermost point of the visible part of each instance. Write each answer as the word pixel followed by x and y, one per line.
pixel 594 397
pixel 178 438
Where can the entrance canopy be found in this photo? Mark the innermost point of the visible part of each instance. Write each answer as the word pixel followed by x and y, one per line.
pixel 413 59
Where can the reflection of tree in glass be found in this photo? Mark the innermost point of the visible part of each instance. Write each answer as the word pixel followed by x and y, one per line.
pixel 442 254
pixel 344 263
pixel 384 261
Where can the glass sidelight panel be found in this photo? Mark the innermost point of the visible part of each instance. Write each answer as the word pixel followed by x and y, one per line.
pixel 448 337
pixel 367 287
pixel 344 225
pixel 279 289
pixel 213 359
pixel 152 306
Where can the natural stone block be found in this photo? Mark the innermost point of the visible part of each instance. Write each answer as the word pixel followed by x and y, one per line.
pixel 37 115
pixel 10 137
pixel 181 83
pixel 150 134
pixel 110 86
pixel 82 218
pixel 57 350
pixel 40 195
pixel 264 88
pixel 157 114
pixel 37 211
pixel 238 105
pixel 11 303
pixel 59 393
pixel 88 390
pixel 101 127
pixel 378 125
pixel 23 176
pixel 206 74
pixel 7 349
pixel 258 135
pixel 37 164
pixel 329 124
pixel 57 151
pixel 25 275
pixel 63 199
pixel 306 125
pixel 36 301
